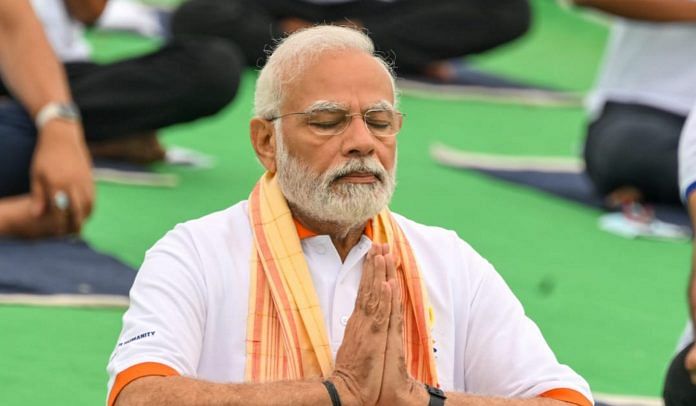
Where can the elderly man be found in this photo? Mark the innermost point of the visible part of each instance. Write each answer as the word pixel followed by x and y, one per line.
pixel 312 291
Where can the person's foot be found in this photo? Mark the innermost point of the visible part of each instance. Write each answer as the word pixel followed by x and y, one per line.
pixel 17 220
pixel 623 196
pixel 443 71
pixel 142 148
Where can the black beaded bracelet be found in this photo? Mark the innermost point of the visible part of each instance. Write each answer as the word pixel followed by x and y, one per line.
pixel 333 393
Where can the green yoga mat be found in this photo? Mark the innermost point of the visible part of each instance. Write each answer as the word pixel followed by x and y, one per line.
pixel 612 308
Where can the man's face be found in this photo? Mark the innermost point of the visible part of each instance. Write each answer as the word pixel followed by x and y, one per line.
pixel 345 178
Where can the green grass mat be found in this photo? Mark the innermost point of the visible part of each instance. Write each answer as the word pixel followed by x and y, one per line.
pixel 612 308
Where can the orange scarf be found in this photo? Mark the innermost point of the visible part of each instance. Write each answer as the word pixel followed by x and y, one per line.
pixel 286 336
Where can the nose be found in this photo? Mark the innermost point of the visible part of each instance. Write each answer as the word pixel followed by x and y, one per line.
pixel 357 139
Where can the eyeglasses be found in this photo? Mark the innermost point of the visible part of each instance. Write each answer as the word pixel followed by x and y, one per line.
pixel 379 122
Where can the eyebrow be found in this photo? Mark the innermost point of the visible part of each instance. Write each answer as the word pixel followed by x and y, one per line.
pixel 338 106
pixel 381 105
pixel 325 105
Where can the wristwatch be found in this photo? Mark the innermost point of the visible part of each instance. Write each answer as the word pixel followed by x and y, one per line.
pixel 437 396
pixel 60 110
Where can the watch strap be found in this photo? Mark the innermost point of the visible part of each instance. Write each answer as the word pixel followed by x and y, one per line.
pixel 57 110
pixel 437 396
pixel 333 393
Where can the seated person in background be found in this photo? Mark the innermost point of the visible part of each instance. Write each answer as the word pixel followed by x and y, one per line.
pixel 680 384
pixel 123 103
pixel 60 176
pixel 312 291
pixel 638 107
pixel 421 37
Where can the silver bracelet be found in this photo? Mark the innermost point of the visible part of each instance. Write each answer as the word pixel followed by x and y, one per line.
pixel 57 110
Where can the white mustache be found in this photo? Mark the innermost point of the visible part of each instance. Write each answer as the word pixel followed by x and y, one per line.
pixel 357 165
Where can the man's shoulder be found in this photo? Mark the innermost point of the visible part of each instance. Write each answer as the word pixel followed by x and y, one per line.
pixel 219 221
pixel 440 239
pixel 224 225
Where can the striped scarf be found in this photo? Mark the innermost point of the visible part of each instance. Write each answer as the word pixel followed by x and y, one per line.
pixel 286 336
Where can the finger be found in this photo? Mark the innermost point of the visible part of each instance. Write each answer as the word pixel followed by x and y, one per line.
pixel 379 277
pixel 397 304
pixel 38 197
pixel 59 221
pixel 375 292
pixel 391 267
pixel 382 315
pixel 395 340
pixel 76 211
pixel 380 269
pixel 88 202
pixel 367 275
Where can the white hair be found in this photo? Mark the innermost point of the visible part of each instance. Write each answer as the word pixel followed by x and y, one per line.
pixel 294 53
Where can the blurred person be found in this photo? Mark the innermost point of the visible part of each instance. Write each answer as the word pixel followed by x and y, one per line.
pixel 58 192
pixel 313 292
pixel 645 90
pixel 680 383
pixel 421 37
pixel 124 103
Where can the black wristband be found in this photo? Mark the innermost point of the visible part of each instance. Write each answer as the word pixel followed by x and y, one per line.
pixel 333 393
pixel 437 396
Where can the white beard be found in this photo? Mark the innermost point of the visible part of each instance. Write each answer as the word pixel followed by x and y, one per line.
pixel 317 196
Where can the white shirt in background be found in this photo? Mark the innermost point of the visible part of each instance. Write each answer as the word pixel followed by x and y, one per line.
pixel 653 64
pixel 65 34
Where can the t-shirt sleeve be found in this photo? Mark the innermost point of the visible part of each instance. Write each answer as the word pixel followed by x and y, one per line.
pixel 505 353
pixel 687 157
pixel 163 327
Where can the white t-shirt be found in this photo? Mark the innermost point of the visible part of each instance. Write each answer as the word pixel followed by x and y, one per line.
pixel 189 307
pixel 648 63
pixel 687 185
pixel 64 33
pixel 687 155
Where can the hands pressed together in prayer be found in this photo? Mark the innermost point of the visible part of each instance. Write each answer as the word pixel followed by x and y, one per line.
pixel 370 364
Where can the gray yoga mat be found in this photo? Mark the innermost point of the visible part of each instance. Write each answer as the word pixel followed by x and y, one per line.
pixel 68 267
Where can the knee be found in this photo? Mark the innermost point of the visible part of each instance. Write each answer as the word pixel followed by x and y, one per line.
pixel 203 17
pixel 214 74
pixel 515 19
pixel 678 389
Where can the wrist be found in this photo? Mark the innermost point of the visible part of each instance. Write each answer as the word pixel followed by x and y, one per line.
pixel 348 395
pixel 64 111
pixel 415 395
pixel 436 396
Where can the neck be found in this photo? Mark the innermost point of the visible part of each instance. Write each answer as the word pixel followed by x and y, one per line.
pixel 344 237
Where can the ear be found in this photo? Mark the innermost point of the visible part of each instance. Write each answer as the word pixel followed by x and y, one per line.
pixel 263 141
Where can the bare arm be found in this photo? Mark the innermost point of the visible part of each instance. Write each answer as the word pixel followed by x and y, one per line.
pixel 454 398
pixel 186 391
pixel 646 10
pixel 85 11
pixel 36 78
pixel 27 62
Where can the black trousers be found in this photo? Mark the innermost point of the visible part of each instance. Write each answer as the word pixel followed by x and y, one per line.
pixel 414 32
pixel 679 390
pixel 635 145
pixel 185 80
